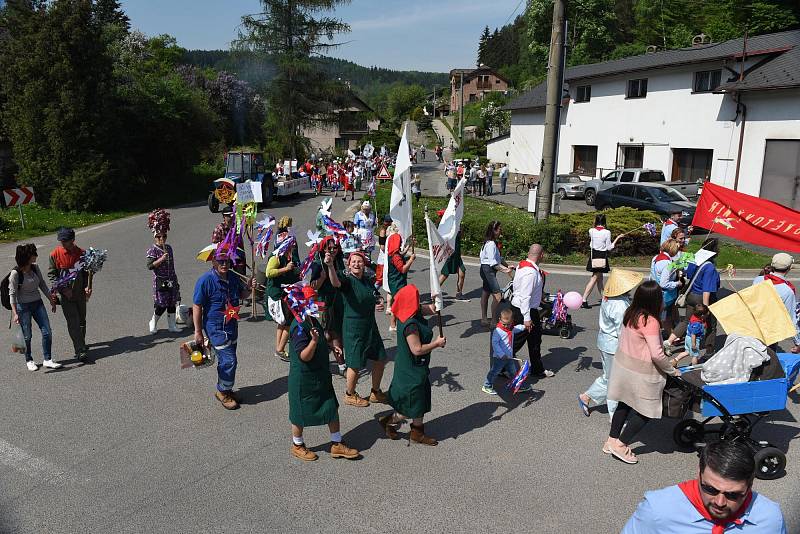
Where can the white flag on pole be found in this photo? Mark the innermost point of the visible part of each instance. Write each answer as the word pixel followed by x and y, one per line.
pixel 438 252
pixel 450 223
pixel 400 201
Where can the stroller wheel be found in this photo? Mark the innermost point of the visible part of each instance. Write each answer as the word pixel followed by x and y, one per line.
pixel 565 332
pixel 687 434
pixel 770 463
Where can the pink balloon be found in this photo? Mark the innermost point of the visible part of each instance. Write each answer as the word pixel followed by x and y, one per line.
pixel 573 300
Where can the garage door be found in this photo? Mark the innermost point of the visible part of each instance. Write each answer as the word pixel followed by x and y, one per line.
pixel 780 180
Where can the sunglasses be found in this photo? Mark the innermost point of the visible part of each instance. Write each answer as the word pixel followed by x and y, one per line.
pixel 161 237
pixel 730 495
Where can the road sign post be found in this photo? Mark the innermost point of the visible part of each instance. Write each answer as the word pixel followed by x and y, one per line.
pixel 19 197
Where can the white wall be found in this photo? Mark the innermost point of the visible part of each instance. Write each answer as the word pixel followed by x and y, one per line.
pixel 671 116
pixel 499 151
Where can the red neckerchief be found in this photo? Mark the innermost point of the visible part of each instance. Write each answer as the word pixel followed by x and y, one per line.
pixel 662 256
pixel 526 263
pixel 509 333
pixel 599 228
pixel 670 222
pixel 696 319
pixel 691 488
pixel 777 280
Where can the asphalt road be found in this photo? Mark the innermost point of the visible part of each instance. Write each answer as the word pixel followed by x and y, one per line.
pixel 131 443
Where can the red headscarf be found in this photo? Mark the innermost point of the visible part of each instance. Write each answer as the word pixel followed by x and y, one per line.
pixel 393 244
pixel 405 303
pixel 691 488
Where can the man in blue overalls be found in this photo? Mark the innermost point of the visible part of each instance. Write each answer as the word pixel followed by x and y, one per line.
pixel 216 312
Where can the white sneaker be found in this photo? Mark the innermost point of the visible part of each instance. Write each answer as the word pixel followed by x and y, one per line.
pixel 548 373
pixel 31 366
pixel 50 364
pixel 153 324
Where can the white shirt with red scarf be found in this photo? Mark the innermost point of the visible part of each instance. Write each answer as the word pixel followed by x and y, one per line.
pixel 528 286
pixel 600 239
pixel 786 292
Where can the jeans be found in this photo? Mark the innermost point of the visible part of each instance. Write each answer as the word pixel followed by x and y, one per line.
pixel 498 366
pixel 489 185
pixel 599 388
pixel 226 367
pixel 38 312
pixel 503 181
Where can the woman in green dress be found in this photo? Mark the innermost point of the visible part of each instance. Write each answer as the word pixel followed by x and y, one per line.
pixel 312 400
pixel 331 317
pixel 360 336
pixel 398 267
pixel 410 392
pixel 455 265
pixel 281 270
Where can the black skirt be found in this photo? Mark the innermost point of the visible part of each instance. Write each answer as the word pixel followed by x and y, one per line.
pixel 598 254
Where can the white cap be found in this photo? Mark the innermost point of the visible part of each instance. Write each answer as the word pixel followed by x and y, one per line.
pixel 366 204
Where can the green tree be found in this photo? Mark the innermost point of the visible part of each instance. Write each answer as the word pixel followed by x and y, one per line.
pixel 483 44
pixel 401 101
pixel 301 95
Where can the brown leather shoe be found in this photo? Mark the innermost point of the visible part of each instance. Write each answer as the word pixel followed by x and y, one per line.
pixel 417 435
pixel 390 429
pixel 341 450
pixel 227 400
pixel 378 396
pixel 302 453
pixel 355 400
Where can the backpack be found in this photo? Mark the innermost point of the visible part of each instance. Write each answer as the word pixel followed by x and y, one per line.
pixel 5 297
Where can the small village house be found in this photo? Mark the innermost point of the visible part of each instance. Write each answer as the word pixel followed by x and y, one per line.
pixel 354 120
pixel 728 112
pixel 477 82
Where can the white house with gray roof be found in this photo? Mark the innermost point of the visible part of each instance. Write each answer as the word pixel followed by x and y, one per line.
pixel 722 111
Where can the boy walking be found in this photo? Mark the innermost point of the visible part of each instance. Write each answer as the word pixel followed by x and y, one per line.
pixel 503 352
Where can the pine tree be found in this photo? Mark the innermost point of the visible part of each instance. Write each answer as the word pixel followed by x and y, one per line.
pixel 291 32
pixel 482 44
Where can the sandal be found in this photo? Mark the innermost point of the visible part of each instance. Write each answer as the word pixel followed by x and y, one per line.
pixel 584 406
pixel 606 448
pixel 626 456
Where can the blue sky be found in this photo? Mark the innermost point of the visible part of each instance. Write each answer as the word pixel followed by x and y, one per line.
pixel 423 35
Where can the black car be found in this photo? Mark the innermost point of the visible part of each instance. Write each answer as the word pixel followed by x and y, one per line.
pixel 661 199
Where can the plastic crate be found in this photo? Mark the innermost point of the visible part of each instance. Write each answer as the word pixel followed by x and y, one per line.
pixel 750 397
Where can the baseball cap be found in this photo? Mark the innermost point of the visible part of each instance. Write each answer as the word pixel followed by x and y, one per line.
pixel 782 261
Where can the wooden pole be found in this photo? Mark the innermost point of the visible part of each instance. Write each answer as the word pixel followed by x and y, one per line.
pixel 439 318
pixel 90 280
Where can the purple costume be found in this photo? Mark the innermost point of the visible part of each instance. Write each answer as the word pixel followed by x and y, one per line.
pixel 165 271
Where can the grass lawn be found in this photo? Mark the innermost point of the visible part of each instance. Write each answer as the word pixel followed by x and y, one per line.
pixel 40 220
pixel 740 257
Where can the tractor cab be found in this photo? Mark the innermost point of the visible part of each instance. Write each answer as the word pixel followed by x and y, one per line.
pixel 241 166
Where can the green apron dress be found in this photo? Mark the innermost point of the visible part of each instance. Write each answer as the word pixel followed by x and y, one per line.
pixel 454 263
pixel 360 335
pixel 334 306
pixel 410 392
pixel 397 279
pixel 312 400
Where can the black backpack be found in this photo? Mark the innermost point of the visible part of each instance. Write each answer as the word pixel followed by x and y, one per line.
pixel 5 298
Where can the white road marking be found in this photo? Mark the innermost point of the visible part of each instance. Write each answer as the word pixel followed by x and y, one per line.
pixel 16 458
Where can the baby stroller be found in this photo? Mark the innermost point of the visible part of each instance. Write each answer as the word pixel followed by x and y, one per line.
pixel 739 407
pixel 561 322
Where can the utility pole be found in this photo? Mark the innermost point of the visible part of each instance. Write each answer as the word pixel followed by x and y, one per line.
pixel 461 112
pixel 552 120
pixel 434 101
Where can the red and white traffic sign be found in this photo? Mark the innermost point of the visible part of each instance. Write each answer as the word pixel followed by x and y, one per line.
pixel 19 196
pixel 383 174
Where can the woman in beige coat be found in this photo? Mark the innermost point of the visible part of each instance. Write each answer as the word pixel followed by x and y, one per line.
pixel 640 369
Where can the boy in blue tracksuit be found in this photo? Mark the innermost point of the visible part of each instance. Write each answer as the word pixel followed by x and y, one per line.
pixel 217 294
pixel 503 351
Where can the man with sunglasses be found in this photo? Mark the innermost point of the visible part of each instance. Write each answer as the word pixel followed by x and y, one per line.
pixel 720 497
pixel 215 312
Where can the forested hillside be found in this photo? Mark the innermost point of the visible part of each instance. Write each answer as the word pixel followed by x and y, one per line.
pixel 373 84
pixel 609 29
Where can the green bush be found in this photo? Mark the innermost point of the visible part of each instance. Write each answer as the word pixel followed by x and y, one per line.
pixel 619 220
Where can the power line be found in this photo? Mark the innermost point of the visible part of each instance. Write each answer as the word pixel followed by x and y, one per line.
pixel 512 13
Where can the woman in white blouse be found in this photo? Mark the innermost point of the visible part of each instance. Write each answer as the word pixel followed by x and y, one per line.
pixel 599 246
pixel 491 262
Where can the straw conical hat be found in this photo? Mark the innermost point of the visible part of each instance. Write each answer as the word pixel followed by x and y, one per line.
pixel 620 281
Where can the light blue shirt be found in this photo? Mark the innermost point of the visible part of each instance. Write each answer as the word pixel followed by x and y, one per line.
pixel 668 511
pixel 666 231
pixel 501 348
pixel 612 311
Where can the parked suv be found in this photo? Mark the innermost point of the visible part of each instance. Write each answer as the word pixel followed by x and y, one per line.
pixel 592 187
pixel 659 198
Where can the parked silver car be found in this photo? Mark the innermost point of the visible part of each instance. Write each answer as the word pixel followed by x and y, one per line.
pixel 569 186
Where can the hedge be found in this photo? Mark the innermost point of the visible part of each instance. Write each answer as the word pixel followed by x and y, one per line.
pixel 560 235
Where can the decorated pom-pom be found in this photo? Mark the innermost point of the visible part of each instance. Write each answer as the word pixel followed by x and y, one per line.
pixel 158 220
pixel 93 259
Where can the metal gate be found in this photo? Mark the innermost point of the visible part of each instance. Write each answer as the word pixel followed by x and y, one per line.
pixel 780 180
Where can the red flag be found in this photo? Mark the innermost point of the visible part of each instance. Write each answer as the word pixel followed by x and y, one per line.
pixel 748 218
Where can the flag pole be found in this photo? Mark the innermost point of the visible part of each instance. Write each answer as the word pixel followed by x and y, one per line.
pixel 438 312
pixel 251 236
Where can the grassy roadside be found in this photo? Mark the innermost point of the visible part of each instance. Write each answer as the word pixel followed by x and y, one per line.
pixel 40 220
